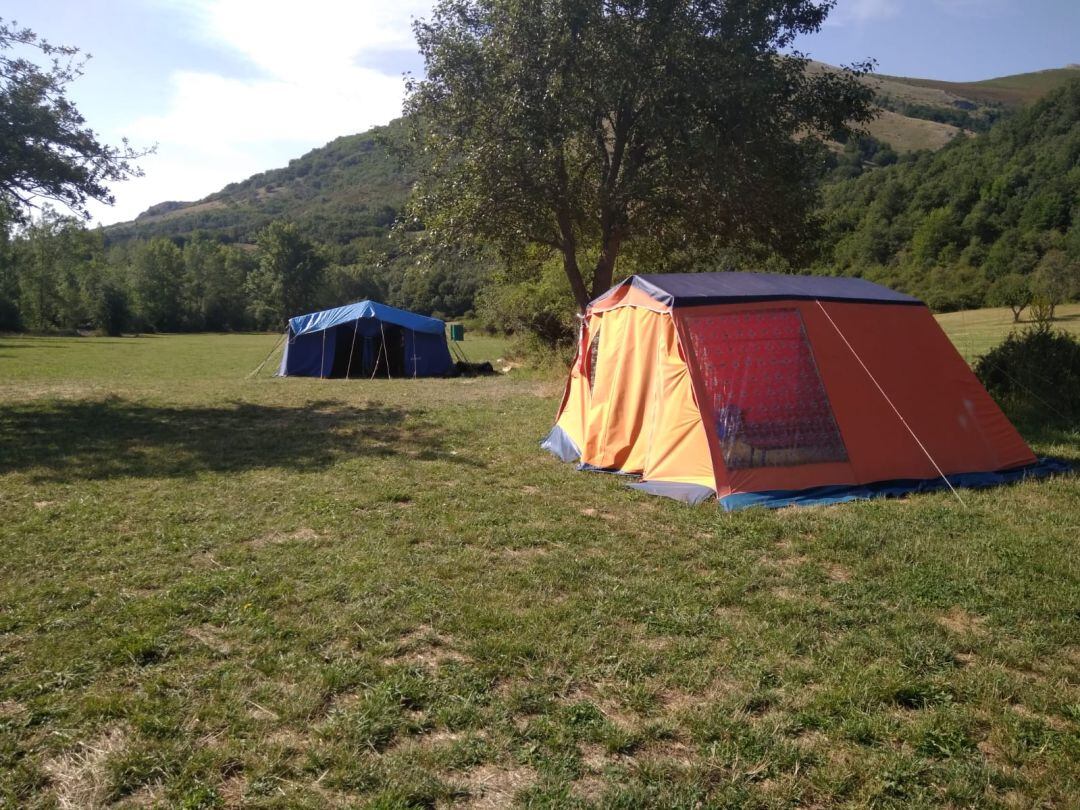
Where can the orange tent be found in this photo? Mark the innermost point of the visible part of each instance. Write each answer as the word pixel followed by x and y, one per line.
pixel 773 390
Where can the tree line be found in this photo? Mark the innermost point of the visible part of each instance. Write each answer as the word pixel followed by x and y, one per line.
pixel 56 275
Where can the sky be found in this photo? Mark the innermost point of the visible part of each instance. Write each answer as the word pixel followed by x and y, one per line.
pixel 228 88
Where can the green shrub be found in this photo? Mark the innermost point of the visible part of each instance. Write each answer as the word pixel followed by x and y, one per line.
pixel 537 309
pixel 1035 376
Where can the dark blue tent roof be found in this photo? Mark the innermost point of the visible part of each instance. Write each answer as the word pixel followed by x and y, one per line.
pixel 677 289
pixel 329 318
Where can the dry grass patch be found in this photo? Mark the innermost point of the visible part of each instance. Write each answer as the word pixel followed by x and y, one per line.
pixel 784 593
pixel 965 659
pixel 232 791
pixel 204 560
pixel 258 712
pixel 596 513
pixel 672 751
pixel 495 786
pixel 425 741
pixel 658 643
pixel 151 795
pixel 10 709
pixel 596 758
pixel 837 573
pixel 426 648
pixel 525 554
pixel 1056 723
pixel 812 740
pixel 287 739
pixel 79 778
pixel 302 535
pixel 589 788
pixel 675 702
pixel 614 711
pixel 962 623
pixel 210 636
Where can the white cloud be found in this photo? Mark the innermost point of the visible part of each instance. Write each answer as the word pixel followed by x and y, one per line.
pixel 309 87
pixel 848 12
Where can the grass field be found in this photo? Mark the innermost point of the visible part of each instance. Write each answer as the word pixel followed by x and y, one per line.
pixel 975 332
pixel 906 134
pixel 1022 88
pixel 219 591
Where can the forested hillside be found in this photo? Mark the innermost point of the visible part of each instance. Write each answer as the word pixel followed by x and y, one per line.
pixel 352 187
pixel 349 189
pixel 946 225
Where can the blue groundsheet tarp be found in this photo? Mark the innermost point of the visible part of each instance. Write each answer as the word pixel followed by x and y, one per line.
pixel 365 339
pixel 562 446
pixel 1043 468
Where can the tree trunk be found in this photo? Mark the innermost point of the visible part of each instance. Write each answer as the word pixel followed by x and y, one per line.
pixel 577 283
pixel 568 246
pixel 605 265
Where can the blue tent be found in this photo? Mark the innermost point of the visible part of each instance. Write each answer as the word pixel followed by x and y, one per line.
pixel 365 339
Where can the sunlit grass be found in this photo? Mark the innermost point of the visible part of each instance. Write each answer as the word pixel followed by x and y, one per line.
pixel 975 332
pixel 219 591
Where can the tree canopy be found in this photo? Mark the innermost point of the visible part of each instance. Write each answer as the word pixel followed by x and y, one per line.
pixel 47 152
pixel 586 127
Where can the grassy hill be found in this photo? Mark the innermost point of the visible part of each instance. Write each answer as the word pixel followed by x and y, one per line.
pixel 926 113
pixel 348 189
pixel 352 188
pixel 1012 91
pixel 907 134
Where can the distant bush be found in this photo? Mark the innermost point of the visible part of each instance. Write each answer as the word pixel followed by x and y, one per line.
pixel 1035 376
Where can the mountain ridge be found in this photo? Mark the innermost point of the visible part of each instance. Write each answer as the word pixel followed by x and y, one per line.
pixel 352 188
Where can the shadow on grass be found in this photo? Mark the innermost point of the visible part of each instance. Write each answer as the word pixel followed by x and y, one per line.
pixel 87 440
pixel 11 344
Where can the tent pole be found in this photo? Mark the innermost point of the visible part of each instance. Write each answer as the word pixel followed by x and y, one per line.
pixel 386 352
pixel 375 367
pixel 352 349
pixel 381 351
pixel 891 405
pixel 322 358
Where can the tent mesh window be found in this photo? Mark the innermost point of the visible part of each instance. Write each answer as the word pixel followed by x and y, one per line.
pixel 769 404
pixel 594 352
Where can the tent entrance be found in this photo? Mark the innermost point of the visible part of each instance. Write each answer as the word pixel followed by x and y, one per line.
pixel 379 353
